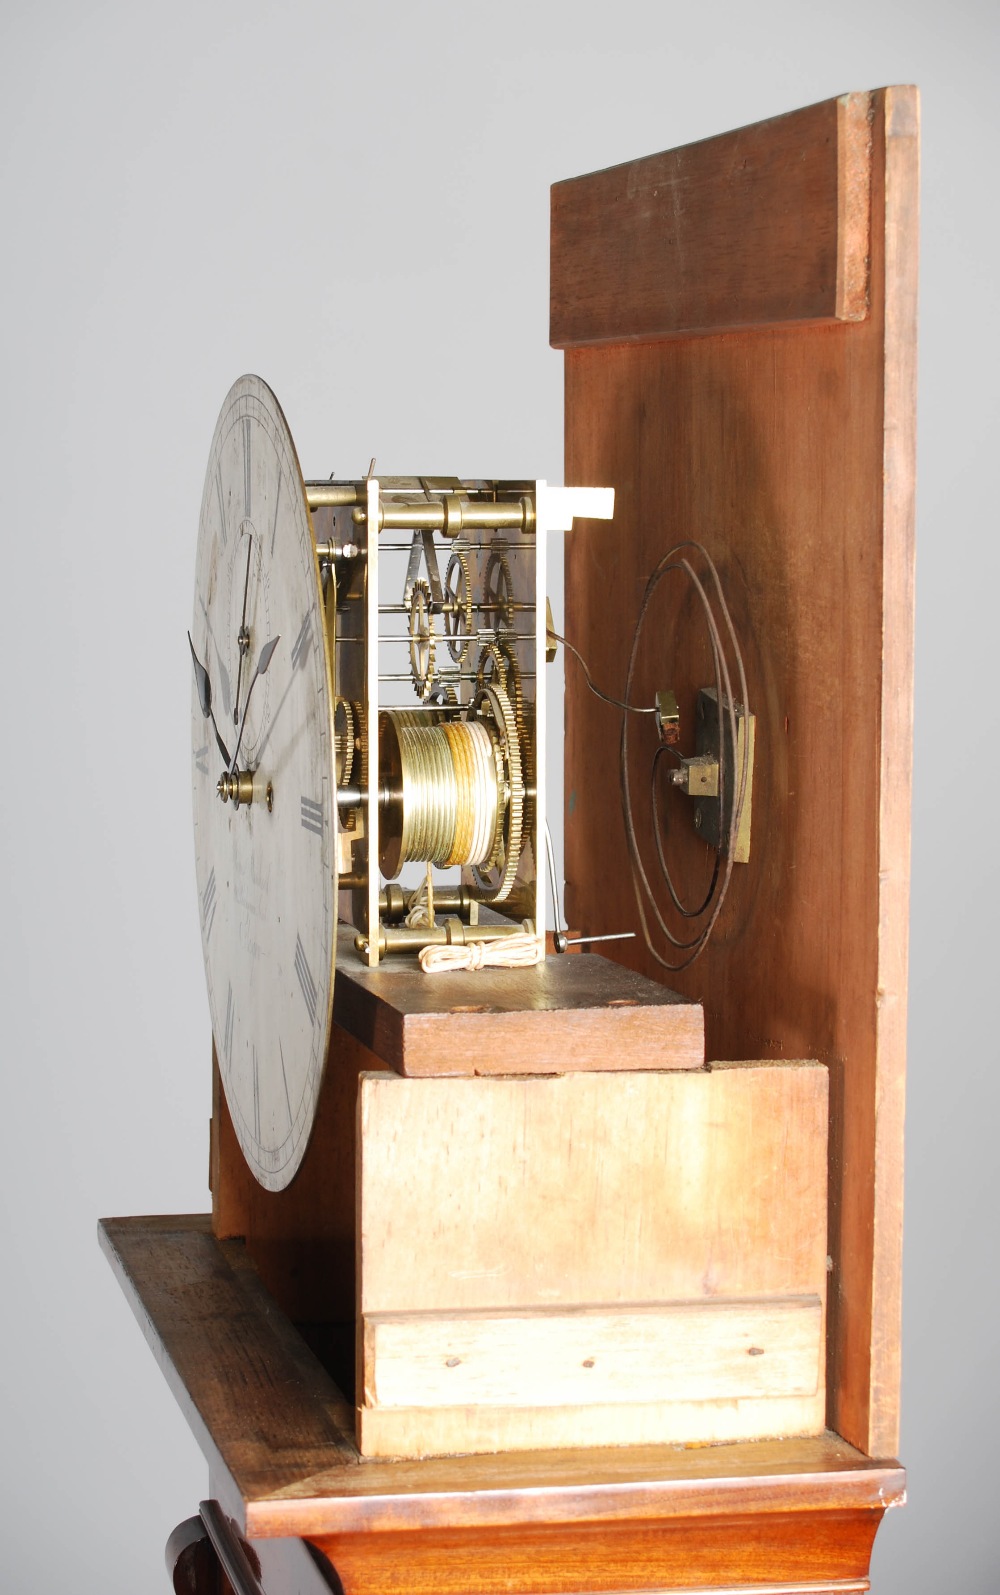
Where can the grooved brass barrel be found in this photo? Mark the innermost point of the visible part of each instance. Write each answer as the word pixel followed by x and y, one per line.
pixel 443 797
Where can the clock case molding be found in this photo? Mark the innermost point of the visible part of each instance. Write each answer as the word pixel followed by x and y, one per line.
pixel 739 322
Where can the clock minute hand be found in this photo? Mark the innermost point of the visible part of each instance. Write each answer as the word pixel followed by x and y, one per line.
pixel 243 636
pixel 204 687
pixel 262 664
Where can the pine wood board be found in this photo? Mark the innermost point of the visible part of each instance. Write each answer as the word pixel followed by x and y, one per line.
pixel 582 1012
pixel 416 1432
pixel 790 451
pixel 552 1357
pixel 276 1430
pixel 689 1184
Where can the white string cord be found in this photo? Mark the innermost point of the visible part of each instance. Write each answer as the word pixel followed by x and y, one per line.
pixel 507 952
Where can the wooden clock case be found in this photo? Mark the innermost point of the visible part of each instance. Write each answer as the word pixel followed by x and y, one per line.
pixel 738 318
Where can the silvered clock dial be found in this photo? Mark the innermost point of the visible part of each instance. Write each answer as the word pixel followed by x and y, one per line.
pixel 264 782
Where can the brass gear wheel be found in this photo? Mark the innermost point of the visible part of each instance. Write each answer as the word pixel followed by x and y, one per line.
pixel 499 586
pixel 345 734
pixel 498 662
pixel 459 595
pixel 351 750
pixel 443 696
pixel 421 623
pixel 507 855
pixel 498 665
pixel 360 768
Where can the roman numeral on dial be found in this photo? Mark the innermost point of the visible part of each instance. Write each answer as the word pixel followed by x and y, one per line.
pixel 224 532
pixel 208 906
pixel 307 984
pixel 301 645
pixel 246 467
pixel 312 816
pixel 227 1039
pixel 277 497
pixel 284 1078
pixel 256 1097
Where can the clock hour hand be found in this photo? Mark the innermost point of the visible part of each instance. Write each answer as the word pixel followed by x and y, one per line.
pixel 262 664
pixel 204 687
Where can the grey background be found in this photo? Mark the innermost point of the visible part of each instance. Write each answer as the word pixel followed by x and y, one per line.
pixel 191 191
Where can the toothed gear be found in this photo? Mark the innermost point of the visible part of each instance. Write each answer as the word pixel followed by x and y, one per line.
pixel 345 732
pixel 421 639
pixel 459 570
pixel 498 663
pixel 444 696
pixel 508 855
pixel 360 744
pixel 499 586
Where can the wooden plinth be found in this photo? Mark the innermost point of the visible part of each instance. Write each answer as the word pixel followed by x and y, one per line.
pixel 773 1517
pixel 581 1013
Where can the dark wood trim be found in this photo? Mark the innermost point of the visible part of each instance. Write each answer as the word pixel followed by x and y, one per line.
pixel 764 226
pixel 273 1423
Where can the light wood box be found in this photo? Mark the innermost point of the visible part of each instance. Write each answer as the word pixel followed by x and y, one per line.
pixel 591 1259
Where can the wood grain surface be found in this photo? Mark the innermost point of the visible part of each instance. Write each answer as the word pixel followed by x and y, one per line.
pixel 791 1553
pixel 278 1433
pixel 302 1239
pixel 734 1349
pixel 789 452
pixel 590 1190
pixel 583 1012
pixel 585 1189
pixel 762 226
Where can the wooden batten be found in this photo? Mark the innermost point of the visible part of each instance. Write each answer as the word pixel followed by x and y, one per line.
pixel 782 437
pixel 446 1431
pixel 588 1356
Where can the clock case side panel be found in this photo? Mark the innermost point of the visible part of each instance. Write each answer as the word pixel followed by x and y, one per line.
pixel 775 423
pixel 301 1240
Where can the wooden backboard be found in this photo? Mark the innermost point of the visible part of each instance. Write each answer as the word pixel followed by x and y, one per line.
pixel 739 322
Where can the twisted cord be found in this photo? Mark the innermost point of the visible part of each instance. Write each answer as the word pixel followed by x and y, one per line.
pixel 507 952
